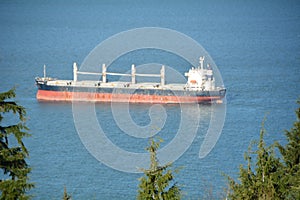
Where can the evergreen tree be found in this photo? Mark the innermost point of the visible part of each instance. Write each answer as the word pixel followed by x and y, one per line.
pixel 291 161
pixel 272 178
pixel 261 180
pixel 14 181
pixel 156 182
pixel 66 195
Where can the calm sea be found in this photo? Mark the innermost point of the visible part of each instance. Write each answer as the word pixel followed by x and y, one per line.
pixel 255 44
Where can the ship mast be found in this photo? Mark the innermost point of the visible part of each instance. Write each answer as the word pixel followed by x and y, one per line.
pixel 162 76
pixel 44 72
pixel 75 69
pixel 201 60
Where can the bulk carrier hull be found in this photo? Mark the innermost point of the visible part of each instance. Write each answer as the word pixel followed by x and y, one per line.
pixel 131 95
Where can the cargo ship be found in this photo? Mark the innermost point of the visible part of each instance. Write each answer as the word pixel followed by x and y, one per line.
pixel 199 88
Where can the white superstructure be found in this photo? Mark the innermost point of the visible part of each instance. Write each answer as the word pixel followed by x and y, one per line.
pixel 200 79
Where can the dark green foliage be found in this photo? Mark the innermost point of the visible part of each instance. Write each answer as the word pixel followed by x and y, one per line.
pixel 270 177
pixel 259 181
pixel 291 160
pixel 12 158
pixel 156 182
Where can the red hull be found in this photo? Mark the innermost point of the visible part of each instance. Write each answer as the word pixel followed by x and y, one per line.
pixel 113 97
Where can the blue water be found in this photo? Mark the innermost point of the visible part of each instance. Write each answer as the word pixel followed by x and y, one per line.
pixel 255 44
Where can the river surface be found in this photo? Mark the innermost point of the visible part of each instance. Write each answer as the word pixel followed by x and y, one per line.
pixel 255 44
